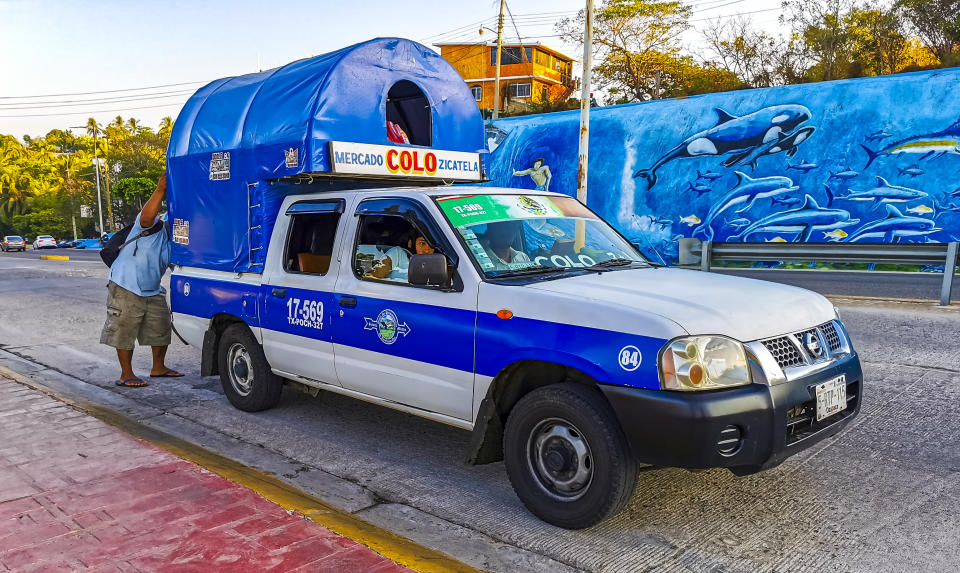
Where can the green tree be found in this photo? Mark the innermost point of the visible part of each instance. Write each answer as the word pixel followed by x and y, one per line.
pixel 42 222
pixel 937 23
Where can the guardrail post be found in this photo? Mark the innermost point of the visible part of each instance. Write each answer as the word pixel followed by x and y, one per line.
pixel 948 267
pixel 706 253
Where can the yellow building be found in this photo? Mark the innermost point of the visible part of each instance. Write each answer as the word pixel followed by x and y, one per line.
pixel 529 73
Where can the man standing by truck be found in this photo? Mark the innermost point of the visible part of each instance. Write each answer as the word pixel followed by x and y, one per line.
pixel 137 304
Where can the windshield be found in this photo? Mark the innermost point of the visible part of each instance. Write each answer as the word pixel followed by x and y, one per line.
pixel 518 234
pixel 14 238
pixel 44 237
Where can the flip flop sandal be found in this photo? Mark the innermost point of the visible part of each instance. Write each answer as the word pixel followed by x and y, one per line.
pixel 132 383
pixel 170 373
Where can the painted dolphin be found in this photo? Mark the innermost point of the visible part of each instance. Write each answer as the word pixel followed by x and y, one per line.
pixel 784 142
pixel 732 134
pixel 843 175
pixel 804 220
pixel 945 141
pixel 895 226
pixel 803 166
pixel 884 192
pixel 745 192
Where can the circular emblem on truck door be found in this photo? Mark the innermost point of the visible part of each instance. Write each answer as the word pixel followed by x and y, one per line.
pixel 630 358
pixel 812 343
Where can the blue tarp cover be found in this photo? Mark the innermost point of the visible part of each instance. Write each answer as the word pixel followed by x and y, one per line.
pixel 236 136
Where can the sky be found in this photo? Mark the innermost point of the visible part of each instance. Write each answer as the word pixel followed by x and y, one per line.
pixel 64 61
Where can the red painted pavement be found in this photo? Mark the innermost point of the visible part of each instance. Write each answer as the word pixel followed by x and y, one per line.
pixel 79 495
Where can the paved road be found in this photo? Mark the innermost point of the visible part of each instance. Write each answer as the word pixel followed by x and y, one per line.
pixel 882 496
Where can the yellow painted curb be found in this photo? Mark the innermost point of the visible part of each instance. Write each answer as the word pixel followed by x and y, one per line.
pixel 54 258
pixel 391 545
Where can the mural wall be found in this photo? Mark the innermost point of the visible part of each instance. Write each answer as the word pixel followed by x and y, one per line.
pixel 871 159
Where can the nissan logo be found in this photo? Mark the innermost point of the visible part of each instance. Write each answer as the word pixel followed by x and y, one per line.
pixel 812 343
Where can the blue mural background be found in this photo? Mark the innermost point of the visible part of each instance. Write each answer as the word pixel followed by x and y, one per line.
pixel 870 159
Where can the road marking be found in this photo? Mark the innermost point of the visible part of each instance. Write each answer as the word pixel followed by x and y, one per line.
pixel 392 546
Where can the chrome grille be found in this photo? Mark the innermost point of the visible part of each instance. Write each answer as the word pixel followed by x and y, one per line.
pixel 833 339
pixel 784 351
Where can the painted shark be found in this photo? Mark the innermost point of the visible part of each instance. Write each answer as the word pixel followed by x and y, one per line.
pixel 732 134
pixel 745 192
pixel 945 141
pixel 804 220
pixel 803 166
pixel 894 227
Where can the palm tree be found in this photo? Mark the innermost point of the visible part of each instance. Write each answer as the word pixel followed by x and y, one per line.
pixel 133 125
pixel 166 127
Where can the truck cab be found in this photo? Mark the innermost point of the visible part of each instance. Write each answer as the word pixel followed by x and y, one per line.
pixel 517 315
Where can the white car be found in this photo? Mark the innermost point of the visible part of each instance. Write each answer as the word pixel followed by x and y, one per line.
pixel 44 242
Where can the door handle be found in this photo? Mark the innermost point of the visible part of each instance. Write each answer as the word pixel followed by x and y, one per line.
pixel 280 292
pixel 348 301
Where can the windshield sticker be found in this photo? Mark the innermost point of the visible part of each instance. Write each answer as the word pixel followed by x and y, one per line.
pixel 479 209
pixel 220 166
pixel 387 326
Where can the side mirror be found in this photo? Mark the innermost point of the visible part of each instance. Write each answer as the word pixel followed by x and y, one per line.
pixel 429 270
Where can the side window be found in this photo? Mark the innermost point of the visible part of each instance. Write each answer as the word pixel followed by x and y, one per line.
pixel 385 244
pixel 309 247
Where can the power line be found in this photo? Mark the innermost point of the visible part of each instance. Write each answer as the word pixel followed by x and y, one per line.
pixel 105 91
pixel 146 97
pixel 90 113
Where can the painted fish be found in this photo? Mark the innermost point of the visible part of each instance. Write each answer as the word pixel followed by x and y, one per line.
pixel 803 220
pixel 920 210
pixel 912 170
pixel 803 166
pixel 878 135
pixel 785 201
pixel 738 223
pixel 894 227
pixel 777 239
pixel 732 134
pixel 662 221
pixel 835 235
pixel 843 175
pixel 945 141
pixel 709 175
pixel 884 192
pixel 784 142
pixel 699 188
pixel 950 207
pixel 745 192
pixel 690 220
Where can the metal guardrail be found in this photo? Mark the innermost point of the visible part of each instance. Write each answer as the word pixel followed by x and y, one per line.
pixel 704 253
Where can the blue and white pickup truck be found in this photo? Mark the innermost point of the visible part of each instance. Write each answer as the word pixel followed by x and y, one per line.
pixel 312 249
pixel 574 368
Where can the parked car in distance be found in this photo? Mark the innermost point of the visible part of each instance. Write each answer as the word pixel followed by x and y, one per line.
pixel 44 242
pixel 68 244
pixel 13 243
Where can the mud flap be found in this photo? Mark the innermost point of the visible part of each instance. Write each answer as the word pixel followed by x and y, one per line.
pixel 209 365
pixel 486 442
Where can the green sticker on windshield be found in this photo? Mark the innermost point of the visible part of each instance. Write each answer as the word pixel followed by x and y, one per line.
pixel 479 209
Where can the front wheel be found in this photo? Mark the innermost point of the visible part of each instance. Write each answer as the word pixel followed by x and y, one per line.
pixel 245 374
pixel 567 457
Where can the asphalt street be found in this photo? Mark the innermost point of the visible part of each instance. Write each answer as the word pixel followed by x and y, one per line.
pixel 881 496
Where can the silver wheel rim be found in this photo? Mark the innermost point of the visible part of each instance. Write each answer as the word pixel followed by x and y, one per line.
pixel 560 459
pixel 240 369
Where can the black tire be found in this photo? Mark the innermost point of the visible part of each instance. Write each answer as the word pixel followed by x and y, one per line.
pixel 535 433
pixel 244 372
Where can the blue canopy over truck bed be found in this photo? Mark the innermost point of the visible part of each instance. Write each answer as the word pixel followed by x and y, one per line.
pixel 241 144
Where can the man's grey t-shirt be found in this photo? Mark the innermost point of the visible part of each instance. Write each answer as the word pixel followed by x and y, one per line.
pixel 141 264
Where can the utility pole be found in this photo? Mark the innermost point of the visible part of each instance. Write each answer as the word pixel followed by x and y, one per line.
pixel 106 180
pixel 96 176
pixel 579 237
pixel 496 82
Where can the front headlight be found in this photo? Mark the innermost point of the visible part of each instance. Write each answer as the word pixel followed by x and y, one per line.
pixel 703 363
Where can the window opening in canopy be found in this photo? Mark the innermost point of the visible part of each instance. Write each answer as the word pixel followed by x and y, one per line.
pixel 408 115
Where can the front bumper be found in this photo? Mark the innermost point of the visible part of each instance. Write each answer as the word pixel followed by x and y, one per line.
pixel 693 429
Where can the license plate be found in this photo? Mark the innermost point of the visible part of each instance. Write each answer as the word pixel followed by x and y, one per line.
pixel 831 397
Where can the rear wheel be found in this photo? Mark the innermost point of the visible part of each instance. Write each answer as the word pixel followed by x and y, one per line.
pixel 567 457
pixel 244 372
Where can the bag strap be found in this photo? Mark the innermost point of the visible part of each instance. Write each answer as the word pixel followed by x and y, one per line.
pixel 144 233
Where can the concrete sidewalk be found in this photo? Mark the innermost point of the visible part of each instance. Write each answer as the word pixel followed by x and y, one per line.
pixel 77 494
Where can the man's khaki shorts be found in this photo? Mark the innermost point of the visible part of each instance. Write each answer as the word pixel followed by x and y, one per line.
pixel 132 317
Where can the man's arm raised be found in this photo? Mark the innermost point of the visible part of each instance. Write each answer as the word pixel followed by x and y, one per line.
pixel 152 207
